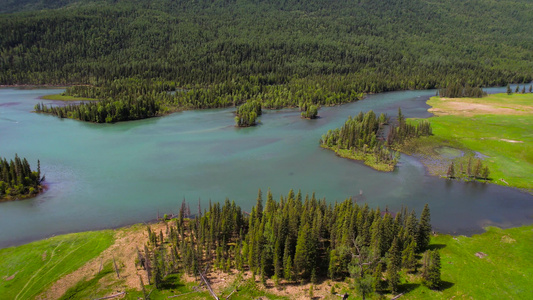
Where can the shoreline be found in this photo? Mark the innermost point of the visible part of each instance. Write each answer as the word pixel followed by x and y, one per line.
pixel 436 164
pixel 42 189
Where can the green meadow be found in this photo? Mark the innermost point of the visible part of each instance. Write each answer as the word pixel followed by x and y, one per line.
pixel 502 268
pixel 499 127
pixel 27 270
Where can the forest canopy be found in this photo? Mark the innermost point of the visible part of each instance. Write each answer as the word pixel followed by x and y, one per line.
pixel 280 53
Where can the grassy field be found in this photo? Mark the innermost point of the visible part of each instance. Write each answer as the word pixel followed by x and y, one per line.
pixel 499 127
pixel 27 270
pixel 61 97
pixel 504 270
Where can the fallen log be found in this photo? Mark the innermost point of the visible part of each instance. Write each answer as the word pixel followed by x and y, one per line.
pixel 112 296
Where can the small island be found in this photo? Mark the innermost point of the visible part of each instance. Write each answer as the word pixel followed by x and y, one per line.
pixel 361 138
pixel 309 110
pixel 17 180
pixel 247 114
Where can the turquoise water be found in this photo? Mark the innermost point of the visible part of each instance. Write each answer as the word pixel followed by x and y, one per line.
pixel 103 176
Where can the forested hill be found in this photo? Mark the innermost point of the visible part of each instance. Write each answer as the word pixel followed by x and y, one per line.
pixel 381 44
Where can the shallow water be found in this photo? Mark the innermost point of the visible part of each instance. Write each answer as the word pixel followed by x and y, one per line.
pixel 103 176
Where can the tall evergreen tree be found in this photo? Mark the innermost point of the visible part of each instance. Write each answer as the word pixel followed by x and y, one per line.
pixel 424 230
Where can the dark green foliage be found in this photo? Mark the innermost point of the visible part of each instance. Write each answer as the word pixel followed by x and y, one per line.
pixel 509 91
pixel 362 135
pixel 457 90
pixel 424 230
pixel 17 178
pixel 474 170
pixel 279 53
pixel 294 238
pixel 405 131
pixel 431 269
pixel 394 266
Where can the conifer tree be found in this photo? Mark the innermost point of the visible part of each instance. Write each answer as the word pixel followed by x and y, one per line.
pixel 431 269
pixel 424 230
pixel 451 171
pixel 394 266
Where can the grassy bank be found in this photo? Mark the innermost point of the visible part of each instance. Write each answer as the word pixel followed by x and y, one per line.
pixel 497 128
pixel 492 265
pixel 368 159
pixel 29 269
pixel 61 97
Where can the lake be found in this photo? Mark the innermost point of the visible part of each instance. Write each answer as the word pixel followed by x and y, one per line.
pixel 109 175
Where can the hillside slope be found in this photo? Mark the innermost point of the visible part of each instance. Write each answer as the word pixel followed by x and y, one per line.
pixel 388 45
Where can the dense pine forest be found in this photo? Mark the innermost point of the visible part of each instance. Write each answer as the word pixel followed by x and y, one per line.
pixel 296 239
pixel 279 53
pixel 17 179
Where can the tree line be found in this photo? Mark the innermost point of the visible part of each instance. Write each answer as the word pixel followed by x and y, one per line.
pixel 17 179
pixel 296 239
pixel 457 90
pixel 472 169
pixel 273 52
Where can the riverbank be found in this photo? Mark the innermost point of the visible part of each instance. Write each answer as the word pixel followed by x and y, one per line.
pixel 368 159
pixel 81 265
pixel 61 97
pixel 496 128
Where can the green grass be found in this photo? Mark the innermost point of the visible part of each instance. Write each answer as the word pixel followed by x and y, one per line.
pixel 512 162
pixel 61 97
pixel 85 289
pixel 28 269
pixel 505 273
pixel 367 159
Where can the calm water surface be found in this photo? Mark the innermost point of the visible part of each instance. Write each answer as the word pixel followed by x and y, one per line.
pixel 103 176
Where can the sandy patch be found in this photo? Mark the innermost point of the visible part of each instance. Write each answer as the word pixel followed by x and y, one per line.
pixel 219 281
pixel 507 239
pixel 465 107
pixel 511 141
pixel 8 278
pixel 480 254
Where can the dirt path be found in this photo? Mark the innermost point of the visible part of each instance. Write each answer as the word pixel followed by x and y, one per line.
pixel 469 107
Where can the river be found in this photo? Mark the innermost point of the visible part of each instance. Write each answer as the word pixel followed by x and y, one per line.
pixel 109 175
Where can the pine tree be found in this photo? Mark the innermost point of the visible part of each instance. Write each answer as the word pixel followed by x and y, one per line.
pixel 424 230
pixel 517 89
pixel 409 260
pixel 431 269
pixel 451 171
pixel 394 266
pixel 509 91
